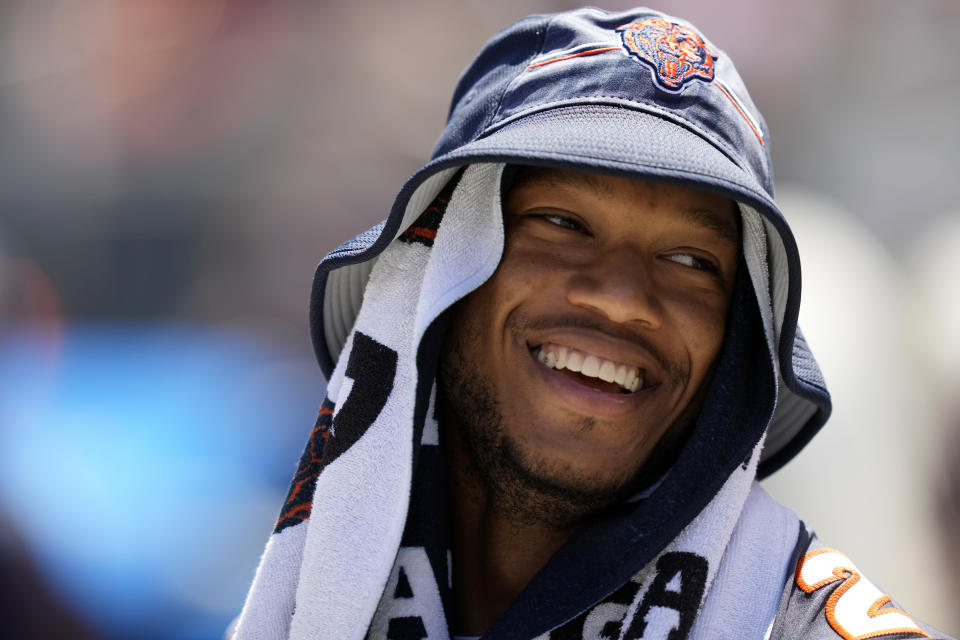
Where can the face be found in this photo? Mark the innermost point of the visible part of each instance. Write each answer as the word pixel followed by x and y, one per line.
pixel 595 338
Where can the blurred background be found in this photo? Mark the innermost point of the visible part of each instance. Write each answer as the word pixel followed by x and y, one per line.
pixel 172 170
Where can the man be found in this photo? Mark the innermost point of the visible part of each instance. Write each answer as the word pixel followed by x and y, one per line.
pixel 557 368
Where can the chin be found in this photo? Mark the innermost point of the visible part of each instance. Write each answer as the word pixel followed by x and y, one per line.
pixel 588 468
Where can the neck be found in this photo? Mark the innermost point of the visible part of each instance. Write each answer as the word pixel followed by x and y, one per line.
pixel 495 552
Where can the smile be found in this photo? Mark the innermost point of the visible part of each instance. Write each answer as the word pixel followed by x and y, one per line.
pixel 617 374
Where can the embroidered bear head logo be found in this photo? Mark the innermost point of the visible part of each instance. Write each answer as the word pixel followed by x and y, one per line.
pixel 675 53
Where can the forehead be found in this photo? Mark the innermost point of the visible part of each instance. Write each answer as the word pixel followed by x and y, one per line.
pixel 701 208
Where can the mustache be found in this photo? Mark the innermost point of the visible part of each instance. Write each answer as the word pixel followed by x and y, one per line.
pixel 521 322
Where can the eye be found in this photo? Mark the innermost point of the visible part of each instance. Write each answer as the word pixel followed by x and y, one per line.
pixel 562 221
pixel 695 262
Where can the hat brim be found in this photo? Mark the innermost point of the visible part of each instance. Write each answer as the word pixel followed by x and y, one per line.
pixel 614 139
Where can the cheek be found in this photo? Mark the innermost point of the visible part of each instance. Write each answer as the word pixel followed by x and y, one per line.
pixel 526 272
pixel 703 324
pixel 521 274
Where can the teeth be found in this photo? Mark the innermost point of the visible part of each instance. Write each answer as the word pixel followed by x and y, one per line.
pixel 608 371
pixel 558 357
pixel 591 366
pixel 562 354
pixel 630 379
pixel 621 375
pixel 551 360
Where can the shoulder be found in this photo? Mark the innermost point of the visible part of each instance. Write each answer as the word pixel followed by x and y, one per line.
pixel 826 597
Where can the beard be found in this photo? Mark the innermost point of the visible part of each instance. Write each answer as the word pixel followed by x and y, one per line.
pixel 529 489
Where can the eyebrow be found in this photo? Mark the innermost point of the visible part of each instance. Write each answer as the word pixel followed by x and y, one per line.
pixel 529 173
pixel 723 225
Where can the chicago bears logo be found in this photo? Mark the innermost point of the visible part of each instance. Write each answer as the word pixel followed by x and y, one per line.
pixel 675 54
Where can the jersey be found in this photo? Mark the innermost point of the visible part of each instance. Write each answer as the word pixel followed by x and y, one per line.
pixel 829 598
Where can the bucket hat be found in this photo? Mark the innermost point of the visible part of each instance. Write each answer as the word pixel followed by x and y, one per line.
pixel 638 94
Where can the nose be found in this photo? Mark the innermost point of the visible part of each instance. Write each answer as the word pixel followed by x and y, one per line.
pixel 618 284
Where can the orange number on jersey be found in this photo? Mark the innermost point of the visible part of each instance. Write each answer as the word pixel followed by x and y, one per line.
pixel 854 607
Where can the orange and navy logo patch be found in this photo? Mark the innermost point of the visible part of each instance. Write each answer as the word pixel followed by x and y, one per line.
pixel 675 54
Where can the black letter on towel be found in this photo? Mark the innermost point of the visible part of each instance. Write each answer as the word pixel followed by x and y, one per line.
pixel 692 572
pixel 410 628
pixel 372 367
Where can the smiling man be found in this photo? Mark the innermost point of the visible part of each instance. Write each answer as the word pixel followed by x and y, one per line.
pixel 558 368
